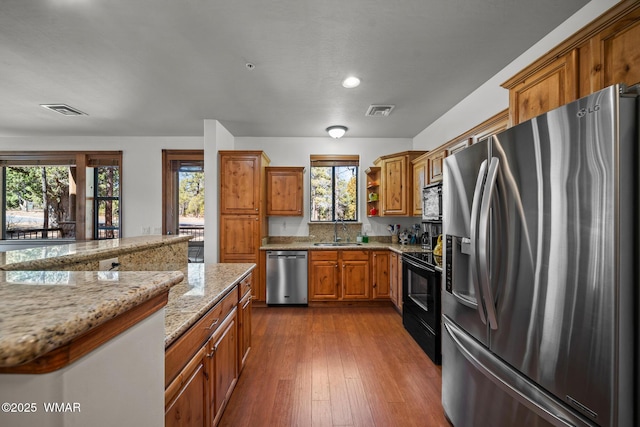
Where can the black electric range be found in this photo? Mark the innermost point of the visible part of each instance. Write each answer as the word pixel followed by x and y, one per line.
pixel 421 283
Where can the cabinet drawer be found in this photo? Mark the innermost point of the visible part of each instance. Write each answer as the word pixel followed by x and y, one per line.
pixel 181 351
pixel 245 285
pixel 355 255
pixel 323 255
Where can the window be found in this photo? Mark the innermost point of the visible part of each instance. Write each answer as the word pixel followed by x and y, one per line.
pixel 44 195
pixel 106 202
pixel 334 188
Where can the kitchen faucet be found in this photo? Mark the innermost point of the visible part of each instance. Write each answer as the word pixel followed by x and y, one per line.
pixel 335 230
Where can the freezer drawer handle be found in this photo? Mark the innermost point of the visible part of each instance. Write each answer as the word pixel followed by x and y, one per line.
pixel 511 382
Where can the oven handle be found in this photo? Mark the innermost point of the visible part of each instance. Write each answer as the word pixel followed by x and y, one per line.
pixel 420 266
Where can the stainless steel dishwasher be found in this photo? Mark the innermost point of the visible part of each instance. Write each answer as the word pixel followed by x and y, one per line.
pixel 287 277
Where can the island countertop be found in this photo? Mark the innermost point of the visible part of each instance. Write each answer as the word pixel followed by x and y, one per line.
pixel 203 287
pixel 44 310
pixel 48 257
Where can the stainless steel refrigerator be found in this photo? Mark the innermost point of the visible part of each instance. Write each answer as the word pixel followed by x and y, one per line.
pixel 540 299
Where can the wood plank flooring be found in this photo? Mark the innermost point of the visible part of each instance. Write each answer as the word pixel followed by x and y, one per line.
pixel 343 366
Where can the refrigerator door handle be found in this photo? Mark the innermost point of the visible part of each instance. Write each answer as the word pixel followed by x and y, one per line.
pixel 510 381
pixel 475 212
pixel 483 240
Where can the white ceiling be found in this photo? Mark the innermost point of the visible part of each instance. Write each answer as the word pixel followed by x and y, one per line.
pixel 159 67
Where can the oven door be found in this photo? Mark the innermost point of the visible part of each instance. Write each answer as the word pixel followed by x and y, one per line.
pixel 421 296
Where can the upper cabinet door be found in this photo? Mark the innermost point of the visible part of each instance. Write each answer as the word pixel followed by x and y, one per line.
pixel 285 191
pixel 394 189
pixel 240 184
pixel 548 88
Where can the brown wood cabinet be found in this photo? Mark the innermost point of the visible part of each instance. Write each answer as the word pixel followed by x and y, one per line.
pixel 202 367
pixel 604 52
pixel 395 276
pixel 285 191
pixel 396 187
pixel 223 362
pixel 380 288
pixel 243 222
pixel 355 279
pixel 244 323
pixel 419 166
pixel 548 88
pixel 339 275
pixel 373 191
pixel 324 277
pixel 240 238
pixel 187 404
pixel 435 166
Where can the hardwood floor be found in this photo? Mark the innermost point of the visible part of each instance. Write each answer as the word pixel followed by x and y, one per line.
pixel 348 366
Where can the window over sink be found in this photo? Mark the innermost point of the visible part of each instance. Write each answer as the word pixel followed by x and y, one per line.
pixel 334 188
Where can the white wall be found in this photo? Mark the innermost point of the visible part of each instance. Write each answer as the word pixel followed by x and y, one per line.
pixel 296 152
pixel 491 98
pixel 216 138
pixel 141 170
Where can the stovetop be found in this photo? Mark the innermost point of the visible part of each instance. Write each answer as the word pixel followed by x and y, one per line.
pixel 425 257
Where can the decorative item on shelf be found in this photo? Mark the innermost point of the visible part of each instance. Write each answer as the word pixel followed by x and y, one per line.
pixel 373 197
pixel 437 251
pixel 373 211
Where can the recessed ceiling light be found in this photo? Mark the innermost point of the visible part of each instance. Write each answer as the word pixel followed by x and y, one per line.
pixel 351 82
pixel 64 109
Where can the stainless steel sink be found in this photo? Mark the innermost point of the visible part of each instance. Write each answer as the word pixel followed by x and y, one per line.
pixel 337 244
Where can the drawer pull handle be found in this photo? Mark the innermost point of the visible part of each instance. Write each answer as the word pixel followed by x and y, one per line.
pixel 213 325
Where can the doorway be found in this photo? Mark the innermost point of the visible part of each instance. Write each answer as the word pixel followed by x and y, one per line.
pixel 183 198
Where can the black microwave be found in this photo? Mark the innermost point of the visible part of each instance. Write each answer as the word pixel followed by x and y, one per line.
pixel 432 202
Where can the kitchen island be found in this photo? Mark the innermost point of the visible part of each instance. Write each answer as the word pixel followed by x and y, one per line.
pixel 82 348
pixel 97 346
pixel 140 253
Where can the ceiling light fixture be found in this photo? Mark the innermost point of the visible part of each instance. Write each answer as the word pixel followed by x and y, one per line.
pixel 336 131
pixel 351 82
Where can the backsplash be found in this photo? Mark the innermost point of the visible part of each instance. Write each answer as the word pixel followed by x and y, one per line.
pixel 325 233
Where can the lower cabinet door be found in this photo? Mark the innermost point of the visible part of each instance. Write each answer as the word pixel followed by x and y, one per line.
pixel 224 364
pixel 186 397
pixel 244 329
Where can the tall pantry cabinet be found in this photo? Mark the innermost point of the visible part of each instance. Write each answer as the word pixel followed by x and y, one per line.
pixel 243 222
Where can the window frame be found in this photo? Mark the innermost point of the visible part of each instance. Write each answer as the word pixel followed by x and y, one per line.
pixel 334 161
pixel 81 160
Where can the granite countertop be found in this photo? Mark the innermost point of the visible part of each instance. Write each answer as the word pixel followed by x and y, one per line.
pixel 303 246
pixel 47 257
pixel 204 286
pixel 43 310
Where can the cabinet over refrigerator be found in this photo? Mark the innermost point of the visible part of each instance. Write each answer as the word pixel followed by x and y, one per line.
pixel 540 299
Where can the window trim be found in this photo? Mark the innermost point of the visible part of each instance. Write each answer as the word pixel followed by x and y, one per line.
pixel 170 184
pixel 80 159
pixel 333 161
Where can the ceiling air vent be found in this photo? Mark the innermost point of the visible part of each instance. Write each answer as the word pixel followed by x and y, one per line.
pixel 379 110
pixel 63 109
